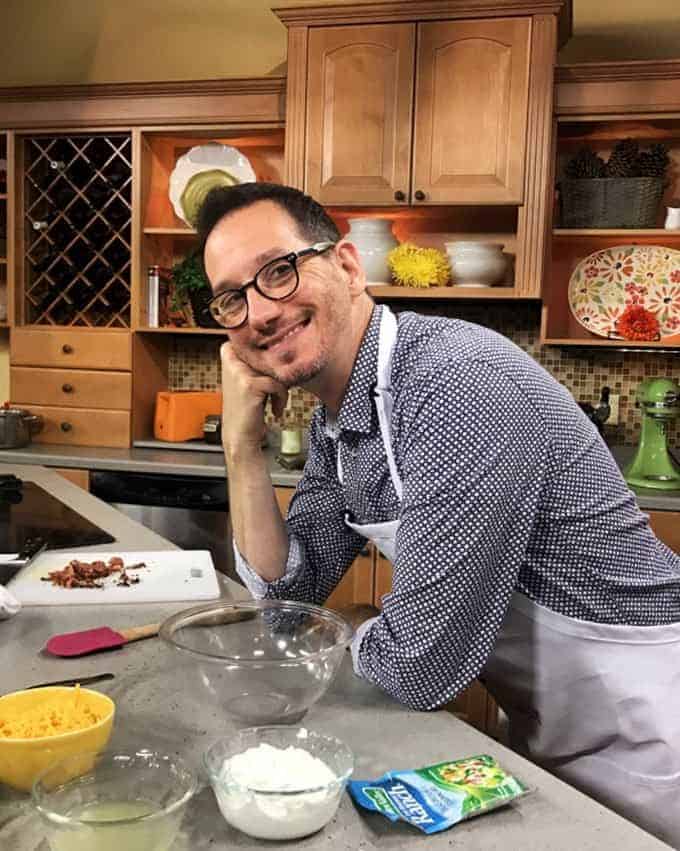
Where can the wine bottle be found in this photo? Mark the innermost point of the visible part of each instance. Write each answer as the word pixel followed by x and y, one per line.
pixel 43 262
pixel 80 213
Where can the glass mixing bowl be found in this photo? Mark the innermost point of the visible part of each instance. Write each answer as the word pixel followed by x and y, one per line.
pixel 114 802
pixel 261 661
pixel 279 808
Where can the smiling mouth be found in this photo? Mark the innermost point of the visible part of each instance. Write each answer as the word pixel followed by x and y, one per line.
pixel 282 338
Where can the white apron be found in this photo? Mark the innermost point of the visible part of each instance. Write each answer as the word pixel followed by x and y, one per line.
pixel 598 705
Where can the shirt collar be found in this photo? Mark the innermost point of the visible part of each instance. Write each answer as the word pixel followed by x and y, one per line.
pixel 356 410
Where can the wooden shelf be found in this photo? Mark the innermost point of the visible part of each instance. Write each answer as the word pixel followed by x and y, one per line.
pixel 599 342
pixel 3 261
pixel 3 196
pixel 386 291
pixel 219 332
pixel 186 232
pixel 627 232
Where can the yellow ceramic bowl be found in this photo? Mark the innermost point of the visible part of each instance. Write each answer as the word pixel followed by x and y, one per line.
pixel 22 760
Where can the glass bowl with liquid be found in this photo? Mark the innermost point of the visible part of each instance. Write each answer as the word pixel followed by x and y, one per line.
pixel 115 801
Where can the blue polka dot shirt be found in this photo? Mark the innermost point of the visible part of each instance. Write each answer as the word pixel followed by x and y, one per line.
pixel 507 486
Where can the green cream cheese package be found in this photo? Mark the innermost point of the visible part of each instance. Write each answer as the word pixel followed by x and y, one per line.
pixel 438 796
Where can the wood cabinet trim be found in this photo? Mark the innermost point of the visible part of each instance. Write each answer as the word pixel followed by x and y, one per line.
pixel 534 216
pixel 614 72
pixel 255 100
pixel 296 108
pixel 425 10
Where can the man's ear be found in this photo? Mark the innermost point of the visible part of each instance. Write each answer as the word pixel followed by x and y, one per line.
pixel 350 262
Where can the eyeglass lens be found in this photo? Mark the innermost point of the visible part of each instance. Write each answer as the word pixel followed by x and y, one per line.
pixel 276 280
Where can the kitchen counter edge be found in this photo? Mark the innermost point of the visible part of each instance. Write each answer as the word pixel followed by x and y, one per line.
pixel 184 462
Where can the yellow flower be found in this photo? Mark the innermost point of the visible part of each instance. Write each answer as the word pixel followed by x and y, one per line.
pixel 412 266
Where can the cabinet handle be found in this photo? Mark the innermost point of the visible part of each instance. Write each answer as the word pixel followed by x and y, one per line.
pixel 419 195
pixel 67 388
pixel 66 426
pixel 66 349
pixel 399 195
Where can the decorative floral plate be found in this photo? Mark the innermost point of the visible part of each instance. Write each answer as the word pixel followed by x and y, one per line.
pixel 200 170
pixel 606 282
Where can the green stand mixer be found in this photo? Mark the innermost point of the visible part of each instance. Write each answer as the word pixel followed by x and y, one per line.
pixel 653 465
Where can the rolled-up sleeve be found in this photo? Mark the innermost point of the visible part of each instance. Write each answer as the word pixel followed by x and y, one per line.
pixel 321 546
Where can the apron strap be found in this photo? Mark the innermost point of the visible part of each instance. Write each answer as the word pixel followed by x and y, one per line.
pixel 383 395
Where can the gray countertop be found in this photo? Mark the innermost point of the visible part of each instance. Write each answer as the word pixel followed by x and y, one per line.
pixel 154 709
pixel 164 458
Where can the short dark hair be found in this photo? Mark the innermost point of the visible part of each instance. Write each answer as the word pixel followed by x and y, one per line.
pixel 312 221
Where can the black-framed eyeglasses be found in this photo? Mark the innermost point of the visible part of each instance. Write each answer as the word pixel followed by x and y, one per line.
pixel 276 280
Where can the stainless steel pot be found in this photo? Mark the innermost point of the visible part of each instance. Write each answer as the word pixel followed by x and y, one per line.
pixel 17 427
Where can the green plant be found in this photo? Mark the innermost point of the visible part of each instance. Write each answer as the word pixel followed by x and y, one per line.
pixel 187 277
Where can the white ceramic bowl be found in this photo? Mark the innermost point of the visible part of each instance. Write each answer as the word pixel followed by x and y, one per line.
pixel 476 264
pixel 275 810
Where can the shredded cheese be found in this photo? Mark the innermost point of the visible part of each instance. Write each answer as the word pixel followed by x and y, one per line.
pixel 56 715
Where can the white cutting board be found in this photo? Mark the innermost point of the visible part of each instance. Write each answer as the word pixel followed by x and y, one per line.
pixel 169 575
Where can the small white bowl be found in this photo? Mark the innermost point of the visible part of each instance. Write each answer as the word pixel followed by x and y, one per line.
pixel 476 264
pixel 278 812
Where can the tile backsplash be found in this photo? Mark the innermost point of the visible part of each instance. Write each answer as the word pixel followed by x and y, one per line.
pixel 195 365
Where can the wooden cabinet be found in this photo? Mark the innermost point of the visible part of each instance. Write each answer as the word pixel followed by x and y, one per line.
pixel 438 115
pixel 666 526
pixel 78 380
pixel 596 106
pixel 471 112
pixel 359 114
pixel 77 476
pixel 464 135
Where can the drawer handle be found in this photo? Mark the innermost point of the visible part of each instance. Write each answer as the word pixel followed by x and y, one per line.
pixel 67 388
pixel 67 349
pixel 399 195
pixel 419 195
pixel 66 426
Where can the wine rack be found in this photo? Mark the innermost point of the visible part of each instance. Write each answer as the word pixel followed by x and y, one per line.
pixel 77 230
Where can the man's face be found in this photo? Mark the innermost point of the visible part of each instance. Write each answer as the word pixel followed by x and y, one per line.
pixel 291 340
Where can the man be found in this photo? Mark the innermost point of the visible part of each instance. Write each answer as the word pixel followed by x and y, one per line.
pixel 519 553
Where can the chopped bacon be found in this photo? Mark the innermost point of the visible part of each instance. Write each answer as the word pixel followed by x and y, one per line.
pixel 84 574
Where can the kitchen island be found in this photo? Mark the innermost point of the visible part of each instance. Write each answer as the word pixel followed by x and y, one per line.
pixel 156 710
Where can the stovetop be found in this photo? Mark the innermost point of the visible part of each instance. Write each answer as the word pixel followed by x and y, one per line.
pixel 27 511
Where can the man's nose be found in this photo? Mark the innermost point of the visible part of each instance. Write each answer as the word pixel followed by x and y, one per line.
pixel 261 311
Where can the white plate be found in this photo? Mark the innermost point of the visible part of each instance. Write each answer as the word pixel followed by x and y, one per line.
pixel 210 157
pixel 168 575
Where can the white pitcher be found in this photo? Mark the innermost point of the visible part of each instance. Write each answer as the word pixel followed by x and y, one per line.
pixel 374 240
pixel 672 218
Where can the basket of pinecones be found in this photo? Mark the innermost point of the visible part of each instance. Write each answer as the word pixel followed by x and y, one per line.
pixel 623 192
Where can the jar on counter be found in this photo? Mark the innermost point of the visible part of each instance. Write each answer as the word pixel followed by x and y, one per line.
pixel 374 240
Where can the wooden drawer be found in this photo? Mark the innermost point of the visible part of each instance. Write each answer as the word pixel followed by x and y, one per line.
pixel 70 388
pixel 68 347
pixel 83 426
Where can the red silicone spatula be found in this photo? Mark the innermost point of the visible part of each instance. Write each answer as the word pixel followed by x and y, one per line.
pixel 94 640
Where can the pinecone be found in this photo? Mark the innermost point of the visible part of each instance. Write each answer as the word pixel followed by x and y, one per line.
pixel 584 165
pixel 623 159
pixel 654 162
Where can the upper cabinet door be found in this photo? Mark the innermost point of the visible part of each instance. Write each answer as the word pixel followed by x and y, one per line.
pixel 471 111
pixel 359 102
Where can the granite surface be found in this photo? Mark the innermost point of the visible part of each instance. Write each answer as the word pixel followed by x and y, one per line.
pixel 156 708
